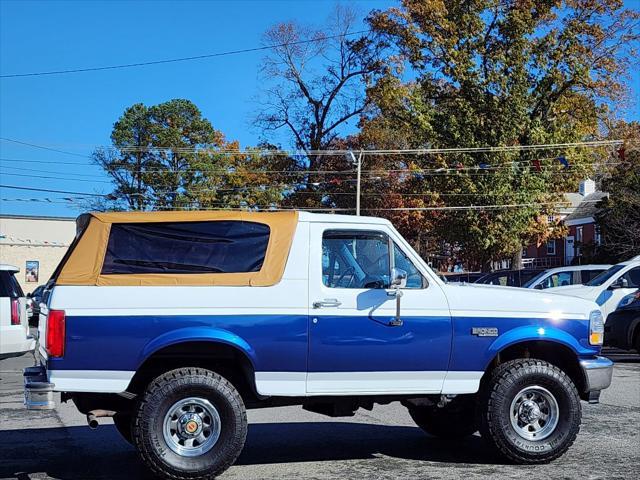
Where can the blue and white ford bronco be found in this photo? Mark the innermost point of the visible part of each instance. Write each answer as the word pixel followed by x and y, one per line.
pixel 174 323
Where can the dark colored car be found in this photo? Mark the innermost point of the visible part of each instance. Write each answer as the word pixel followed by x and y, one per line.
pixel 468 277
pixel 36 298
pixel 622 329
pixel 509 278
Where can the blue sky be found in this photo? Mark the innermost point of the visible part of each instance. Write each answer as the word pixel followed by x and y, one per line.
pixel 76 112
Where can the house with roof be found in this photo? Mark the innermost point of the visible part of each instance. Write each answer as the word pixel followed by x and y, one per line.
pixel 579 216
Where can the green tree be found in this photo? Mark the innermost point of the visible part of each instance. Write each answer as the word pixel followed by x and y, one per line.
pixel 501 73
pixel 168 156
pixel 619 215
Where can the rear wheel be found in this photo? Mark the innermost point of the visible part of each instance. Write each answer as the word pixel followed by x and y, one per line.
pixel 190 424
pixel 456 419
pixel 530 411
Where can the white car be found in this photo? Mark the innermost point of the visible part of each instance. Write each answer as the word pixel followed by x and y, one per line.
pixel 14 326
pixel 608 288
pixel 565 276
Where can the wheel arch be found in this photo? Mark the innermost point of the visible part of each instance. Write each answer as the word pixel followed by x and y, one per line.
pixel 553 351
pixel 220 351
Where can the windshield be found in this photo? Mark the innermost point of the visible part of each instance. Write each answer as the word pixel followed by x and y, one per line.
pixel 604 276
pixel 534 280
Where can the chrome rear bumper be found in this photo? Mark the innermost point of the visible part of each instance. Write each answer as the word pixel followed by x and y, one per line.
pixel 38 391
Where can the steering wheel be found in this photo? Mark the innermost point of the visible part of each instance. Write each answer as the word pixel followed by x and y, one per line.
pixel 344 274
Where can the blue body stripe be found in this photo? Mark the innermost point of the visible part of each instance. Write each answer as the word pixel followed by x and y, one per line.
pixel 337 343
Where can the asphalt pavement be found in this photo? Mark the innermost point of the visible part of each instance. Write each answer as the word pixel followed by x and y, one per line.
pixel 290 443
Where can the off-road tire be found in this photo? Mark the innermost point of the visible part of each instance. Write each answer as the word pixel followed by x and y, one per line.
pixel 499 391
pixel 122 422
pixel 455 420
pixel 165 391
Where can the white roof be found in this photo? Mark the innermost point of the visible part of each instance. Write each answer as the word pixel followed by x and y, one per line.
pixel 574 268
pixel 635 259
pixel 9 268
pixel 331 218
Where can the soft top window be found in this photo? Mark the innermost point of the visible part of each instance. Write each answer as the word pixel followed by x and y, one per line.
pixel 186 247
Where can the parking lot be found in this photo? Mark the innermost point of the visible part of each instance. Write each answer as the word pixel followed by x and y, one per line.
pixel 291 443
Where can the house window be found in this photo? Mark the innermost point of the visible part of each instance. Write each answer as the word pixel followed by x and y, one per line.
pixel 598 235
pixel 551 247
pixel 578 240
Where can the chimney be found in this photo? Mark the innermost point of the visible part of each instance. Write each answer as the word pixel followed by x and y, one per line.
pixel 587 187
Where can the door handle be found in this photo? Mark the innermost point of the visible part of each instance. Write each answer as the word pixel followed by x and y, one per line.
pixel 327 302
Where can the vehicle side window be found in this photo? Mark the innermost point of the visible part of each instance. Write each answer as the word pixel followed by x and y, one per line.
pixel 414 277
pixel 559 279
pixel 355 259
pixel 186 247
pixel 588 275
pixel 633 277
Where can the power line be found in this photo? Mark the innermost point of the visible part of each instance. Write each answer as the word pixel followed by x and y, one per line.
pixel 42 147
pixel 245 206
pixel 48 177
pixel 407 151
pixel 55 191
pixel 306 153
pixel 180 59
pixel 50 162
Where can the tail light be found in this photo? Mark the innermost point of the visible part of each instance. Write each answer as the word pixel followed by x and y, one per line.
pixel 55 333
pixel 15 312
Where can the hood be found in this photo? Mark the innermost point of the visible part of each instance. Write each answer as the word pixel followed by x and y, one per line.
pixel 582 291
pixel 471 299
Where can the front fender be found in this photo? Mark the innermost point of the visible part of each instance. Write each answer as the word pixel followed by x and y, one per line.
pixel 527 333
pixel 197 334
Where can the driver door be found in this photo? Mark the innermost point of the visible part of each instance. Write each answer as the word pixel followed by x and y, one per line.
pixel 355 347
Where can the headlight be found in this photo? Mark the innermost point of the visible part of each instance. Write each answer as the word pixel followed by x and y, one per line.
pixel 596 328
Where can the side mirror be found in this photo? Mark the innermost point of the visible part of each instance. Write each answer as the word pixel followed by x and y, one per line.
pixel 398 281
pixel 398 278
pixel 620 283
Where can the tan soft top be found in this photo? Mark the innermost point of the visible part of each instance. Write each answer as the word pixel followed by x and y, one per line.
pixel 84 265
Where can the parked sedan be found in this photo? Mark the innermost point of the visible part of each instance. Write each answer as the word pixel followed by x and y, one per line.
pixel 509 278
pixel 622 329
pixel 608 288
pixel 564 276
pixel 467 277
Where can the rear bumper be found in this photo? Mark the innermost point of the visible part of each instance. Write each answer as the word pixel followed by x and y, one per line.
pixel 38 391
pixel 15 342
pixel 598 372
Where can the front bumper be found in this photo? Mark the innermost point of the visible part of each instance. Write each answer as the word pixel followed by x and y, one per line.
pixel 597 373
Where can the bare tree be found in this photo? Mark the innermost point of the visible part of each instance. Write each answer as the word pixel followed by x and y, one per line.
pixel 314 88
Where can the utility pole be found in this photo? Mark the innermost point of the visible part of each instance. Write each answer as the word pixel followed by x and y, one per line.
pixel 358 164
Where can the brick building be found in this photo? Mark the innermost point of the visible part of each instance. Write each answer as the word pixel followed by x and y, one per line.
pixel 579 217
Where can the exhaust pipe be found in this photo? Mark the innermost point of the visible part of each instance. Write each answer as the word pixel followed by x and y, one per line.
pixel 93 415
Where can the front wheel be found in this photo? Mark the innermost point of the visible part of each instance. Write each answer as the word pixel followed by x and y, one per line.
pixel 530 411
pixel 190 424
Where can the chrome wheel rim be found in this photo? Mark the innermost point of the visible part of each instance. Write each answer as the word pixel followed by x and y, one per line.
pixel 191 427
pixel 534 413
